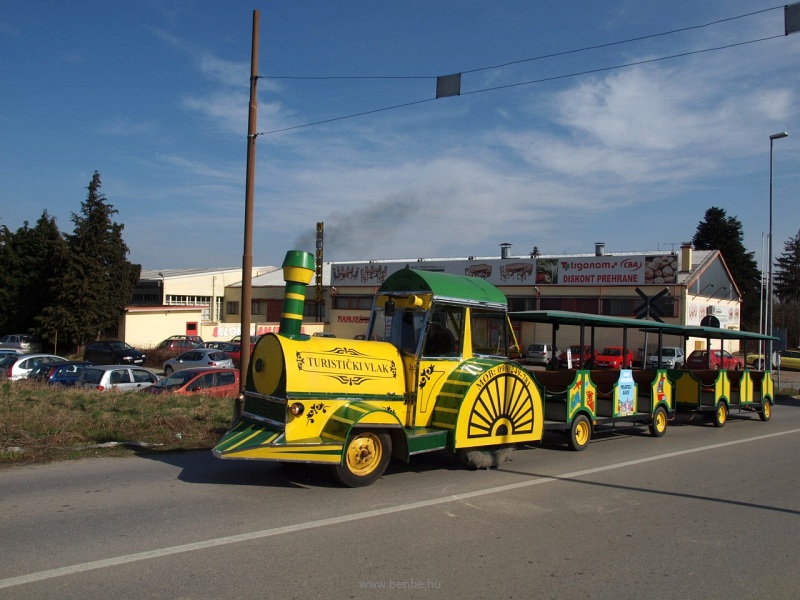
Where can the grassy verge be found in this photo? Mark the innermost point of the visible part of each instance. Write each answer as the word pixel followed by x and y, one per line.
pixel 39 423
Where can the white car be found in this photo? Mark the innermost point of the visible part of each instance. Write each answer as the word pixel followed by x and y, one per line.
pixel 116 377
pixel 21 341
pixel 541 354
pixel 672 357
pixel 18 367
pixel 199 357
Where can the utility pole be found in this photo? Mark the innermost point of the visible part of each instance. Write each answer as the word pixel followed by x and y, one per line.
pixel 247 255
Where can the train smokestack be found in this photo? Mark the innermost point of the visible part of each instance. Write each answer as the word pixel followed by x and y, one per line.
pixel 298 270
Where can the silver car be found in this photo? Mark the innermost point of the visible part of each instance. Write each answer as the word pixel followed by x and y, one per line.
pixel 21 341
pixel 19 367
pixel 199 357
pixel 116 377
pixel 672 357
pixel 541 354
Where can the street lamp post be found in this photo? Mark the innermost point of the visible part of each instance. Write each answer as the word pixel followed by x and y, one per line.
pixel 770 308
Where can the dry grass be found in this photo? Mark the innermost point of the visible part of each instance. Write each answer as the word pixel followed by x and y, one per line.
pixel 40 423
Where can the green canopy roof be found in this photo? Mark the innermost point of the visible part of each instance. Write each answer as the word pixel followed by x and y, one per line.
pixel 443 286
pixel 563 317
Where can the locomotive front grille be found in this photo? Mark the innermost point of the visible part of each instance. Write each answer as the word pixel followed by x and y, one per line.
pixel 264 407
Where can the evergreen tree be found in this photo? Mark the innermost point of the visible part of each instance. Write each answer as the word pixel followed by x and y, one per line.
pixel 30 258
pixel 787 290
pixel 724 233
pixel 787 271
pixel 6 298
pixel 98 280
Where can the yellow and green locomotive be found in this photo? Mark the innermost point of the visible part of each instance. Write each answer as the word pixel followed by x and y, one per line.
pixel 433 373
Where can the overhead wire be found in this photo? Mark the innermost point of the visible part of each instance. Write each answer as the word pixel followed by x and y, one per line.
pixel 530 82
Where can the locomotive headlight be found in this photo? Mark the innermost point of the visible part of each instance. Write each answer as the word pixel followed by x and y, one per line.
pixel 297 408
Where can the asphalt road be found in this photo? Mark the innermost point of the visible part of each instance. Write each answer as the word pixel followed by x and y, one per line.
pixel 699 513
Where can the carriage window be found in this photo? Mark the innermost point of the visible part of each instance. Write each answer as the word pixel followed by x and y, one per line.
pixel 489 333
pixel 444 332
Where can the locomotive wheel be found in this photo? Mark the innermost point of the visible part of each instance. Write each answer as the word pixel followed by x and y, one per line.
pixel 659 425
pixel 484 458
pixel 366 457
pixel 766 411
pixel 721 415
pixel 581 433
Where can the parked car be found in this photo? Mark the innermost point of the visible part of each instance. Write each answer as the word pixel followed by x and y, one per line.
pixel 578 358
pixel 4 352
pixel 672 357
pixel 177 346
pixel 113 352
pixel 614 357
pixel 199 357
pixel 192 338
pixel 21 341
pixel 232 349
pixel 59 373
pixel 116 377
pixel 719 359
pixel 237 339
pixel 789 359
pixel 541 354
pixel 18 367
pixel 220 383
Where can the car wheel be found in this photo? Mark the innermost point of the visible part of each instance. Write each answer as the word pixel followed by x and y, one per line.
pixel 766 411
pixel 720 415
pixel 366 456
pixel 580 433
pixel 168 370
pixel 659 425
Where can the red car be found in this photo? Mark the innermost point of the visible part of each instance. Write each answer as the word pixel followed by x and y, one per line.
pixel 578 358
pixel 719 359
pixel 613 357
pixel 220 383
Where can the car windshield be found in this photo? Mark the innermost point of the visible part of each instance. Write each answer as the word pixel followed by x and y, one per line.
pixel 612 352
pixel 175 380
pixel 536 347
pixel 120 346
pixel 668 352
pixel 8 361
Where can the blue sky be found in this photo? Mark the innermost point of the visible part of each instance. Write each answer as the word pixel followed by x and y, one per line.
pixel 153 94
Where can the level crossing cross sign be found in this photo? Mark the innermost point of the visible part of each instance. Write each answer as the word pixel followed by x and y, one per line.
pixel 648 309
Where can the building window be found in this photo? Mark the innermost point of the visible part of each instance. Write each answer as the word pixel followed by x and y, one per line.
pixel 231 308
pixel 519 303
pixel 618 307
pixel 258 307
pixel 626 307
pixel 313 309
pixel 172 300
pixel 341 302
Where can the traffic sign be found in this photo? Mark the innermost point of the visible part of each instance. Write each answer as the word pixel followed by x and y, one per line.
pixel 648 308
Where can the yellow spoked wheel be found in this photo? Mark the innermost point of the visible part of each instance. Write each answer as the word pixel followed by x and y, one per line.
pixel 721 415
pixel 659 425
pixel 366 457
pixel 766 411
pixel 581 432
